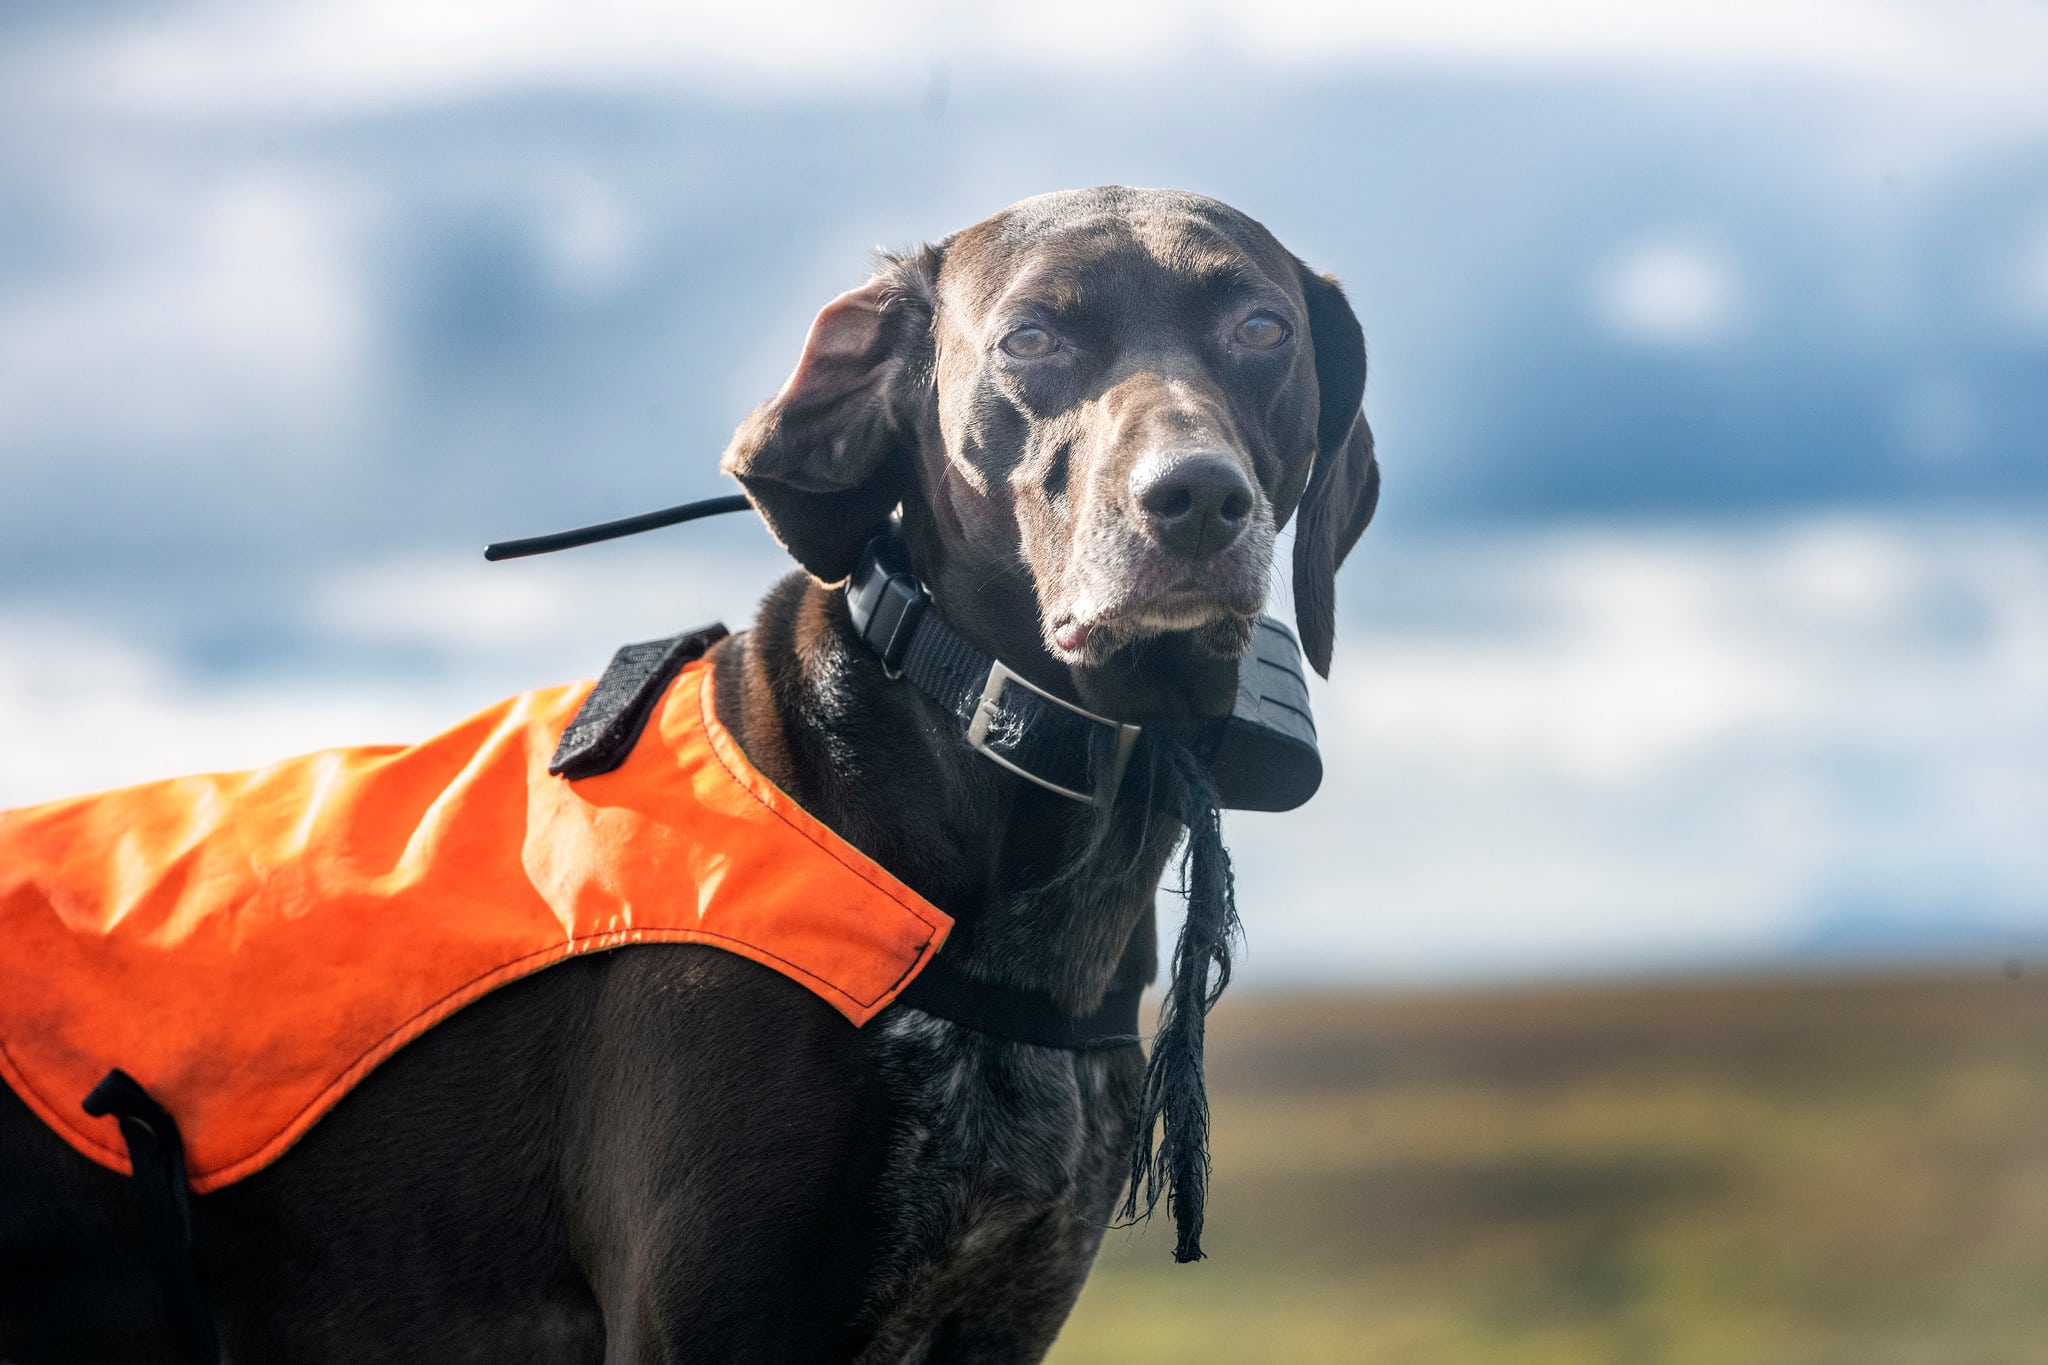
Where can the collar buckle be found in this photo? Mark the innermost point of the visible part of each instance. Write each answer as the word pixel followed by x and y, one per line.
pixel 990 709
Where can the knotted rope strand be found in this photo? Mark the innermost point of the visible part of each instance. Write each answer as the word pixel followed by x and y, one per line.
pixel 1175 1099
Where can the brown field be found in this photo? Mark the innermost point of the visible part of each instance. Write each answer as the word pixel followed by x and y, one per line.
pixel 1774 1171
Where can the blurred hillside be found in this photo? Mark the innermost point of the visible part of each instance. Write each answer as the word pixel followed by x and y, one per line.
pixel 1845 1170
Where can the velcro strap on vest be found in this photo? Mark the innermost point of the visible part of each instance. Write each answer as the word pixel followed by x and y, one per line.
pixel 616 711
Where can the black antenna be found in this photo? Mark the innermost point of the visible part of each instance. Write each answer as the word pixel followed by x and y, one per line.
pixel 612 530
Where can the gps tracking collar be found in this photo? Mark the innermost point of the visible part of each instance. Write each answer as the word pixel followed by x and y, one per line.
pixel 1262 756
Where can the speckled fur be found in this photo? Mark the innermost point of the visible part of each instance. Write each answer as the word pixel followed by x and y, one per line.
pixel 998 1189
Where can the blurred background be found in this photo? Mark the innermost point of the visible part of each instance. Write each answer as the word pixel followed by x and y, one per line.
pixel 1661 963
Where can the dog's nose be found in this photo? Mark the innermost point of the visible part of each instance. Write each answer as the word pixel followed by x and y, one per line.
pixel 1194 505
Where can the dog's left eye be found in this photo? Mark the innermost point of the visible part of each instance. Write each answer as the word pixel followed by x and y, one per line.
pixel 1030 342
pixel 1261 332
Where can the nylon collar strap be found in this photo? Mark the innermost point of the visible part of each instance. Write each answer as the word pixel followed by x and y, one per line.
pixel 1008 720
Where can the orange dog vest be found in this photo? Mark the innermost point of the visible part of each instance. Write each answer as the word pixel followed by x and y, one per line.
pixel 248 946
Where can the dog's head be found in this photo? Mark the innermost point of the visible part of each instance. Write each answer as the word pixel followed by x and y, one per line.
pixel 1096 410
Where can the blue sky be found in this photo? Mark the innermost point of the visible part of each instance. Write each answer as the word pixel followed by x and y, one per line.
pixel 1708 606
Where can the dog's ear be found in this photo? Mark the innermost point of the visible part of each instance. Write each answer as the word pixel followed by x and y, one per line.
pixel 826 460
pixel 1344 487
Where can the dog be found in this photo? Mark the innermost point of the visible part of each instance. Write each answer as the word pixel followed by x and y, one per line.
pixel 1089 416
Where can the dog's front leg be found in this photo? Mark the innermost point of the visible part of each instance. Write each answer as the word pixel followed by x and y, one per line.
pixel 721 1184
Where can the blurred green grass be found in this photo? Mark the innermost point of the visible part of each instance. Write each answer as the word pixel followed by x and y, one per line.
pixel 1807 1171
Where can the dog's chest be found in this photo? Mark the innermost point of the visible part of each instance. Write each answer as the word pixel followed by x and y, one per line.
pixel 1001 1176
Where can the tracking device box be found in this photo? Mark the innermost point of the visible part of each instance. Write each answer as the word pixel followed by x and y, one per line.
pixel 1263 755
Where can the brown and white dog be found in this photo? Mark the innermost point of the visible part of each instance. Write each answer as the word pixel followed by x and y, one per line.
pixel 1095 411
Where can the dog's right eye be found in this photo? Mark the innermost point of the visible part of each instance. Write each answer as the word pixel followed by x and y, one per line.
pixel 1029 342
pixel 1261 332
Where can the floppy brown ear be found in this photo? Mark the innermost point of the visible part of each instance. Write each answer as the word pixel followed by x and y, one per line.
pixel 1345 485
pixel 826 460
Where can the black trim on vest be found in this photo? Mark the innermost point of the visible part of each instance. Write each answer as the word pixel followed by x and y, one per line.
pixel 609 722
pixel 1021 1016
pixel 156 1156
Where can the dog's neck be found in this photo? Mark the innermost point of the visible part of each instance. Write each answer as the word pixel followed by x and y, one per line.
pixel 1044 900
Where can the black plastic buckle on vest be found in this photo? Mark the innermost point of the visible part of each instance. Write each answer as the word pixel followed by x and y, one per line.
pixel 156 1158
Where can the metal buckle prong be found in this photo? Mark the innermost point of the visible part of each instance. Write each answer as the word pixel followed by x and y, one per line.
pixel 991 705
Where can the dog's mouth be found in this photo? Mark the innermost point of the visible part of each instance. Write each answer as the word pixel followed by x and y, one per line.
pixel 1145 633
pixel 1210 625
pixel 1176 664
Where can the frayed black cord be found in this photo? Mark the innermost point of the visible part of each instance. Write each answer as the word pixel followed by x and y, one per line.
pixel 1176 1098
pixel 1139 792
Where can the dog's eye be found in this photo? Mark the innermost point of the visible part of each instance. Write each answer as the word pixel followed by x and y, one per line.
pixel 1261 332
pixel 1030 342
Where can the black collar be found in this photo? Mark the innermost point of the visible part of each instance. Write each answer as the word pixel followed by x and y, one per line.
pixel 1008 719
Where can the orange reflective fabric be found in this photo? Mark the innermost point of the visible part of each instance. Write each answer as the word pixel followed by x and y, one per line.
pixel 250 945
